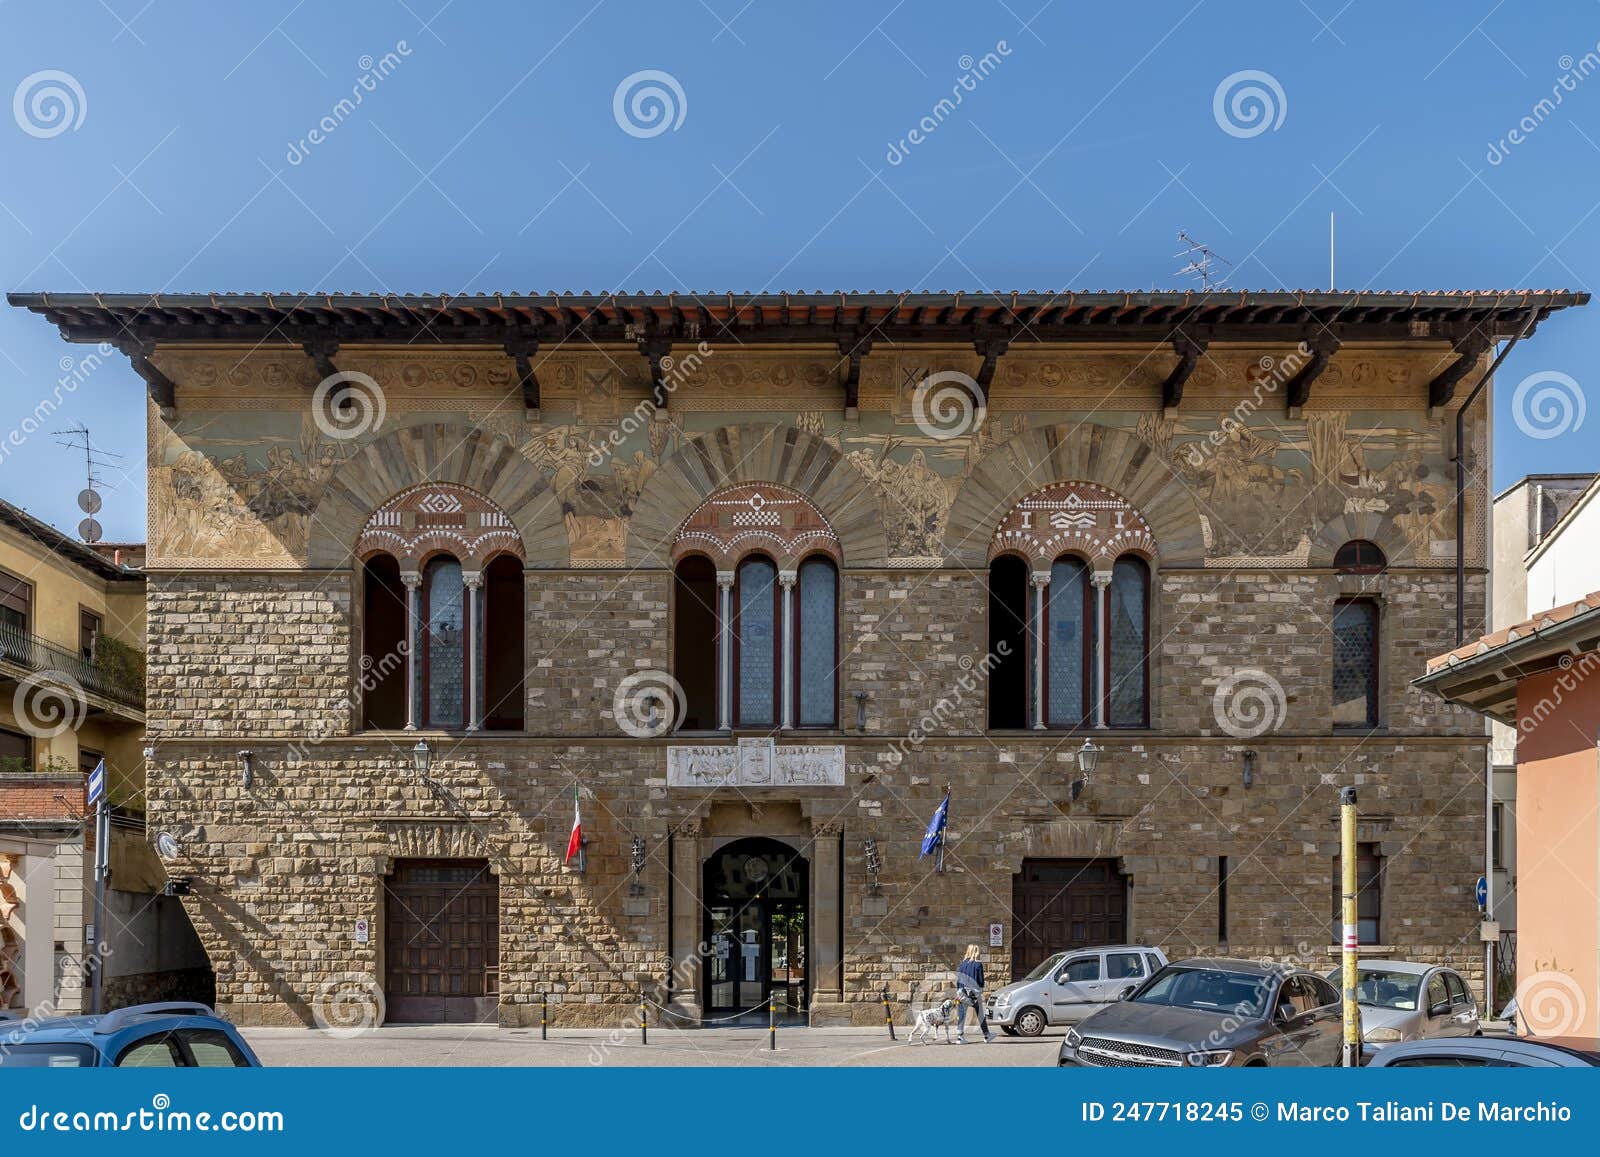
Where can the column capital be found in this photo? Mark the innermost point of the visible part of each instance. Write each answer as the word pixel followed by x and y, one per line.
pixel 1101 579
pixel 786 578
pixel 1039 578
pixel 725 579
pixel 412 579
pixel 472 579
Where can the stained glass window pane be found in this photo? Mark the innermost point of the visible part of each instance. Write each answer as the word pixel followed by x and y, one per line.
pixel 757 643
pixel 1127 644
pixel 1064 661
pixel 818 615
pixel 1355 668
pixel 447 639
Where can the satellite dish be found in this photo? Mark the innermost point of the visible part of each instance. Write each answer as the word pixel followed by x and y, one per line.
pixel 167 845
pixel 89 501
pixel 89 530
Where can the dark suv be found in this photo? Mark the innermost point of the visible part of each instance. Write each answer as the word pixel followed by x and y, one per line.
pixel 1212 1013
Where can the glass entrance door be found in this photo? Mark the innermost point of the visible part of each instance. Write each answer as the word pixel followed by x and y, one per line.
pixel 756 929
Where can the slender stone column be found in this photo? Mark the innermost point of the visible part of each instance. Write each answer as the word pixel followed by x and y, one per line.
pixel 786 712
pixel 1101 580
pixel 472 581
pixel 827 974
pixel 1041 579
pixel 413 584
pixel 684 881
pixel 725 650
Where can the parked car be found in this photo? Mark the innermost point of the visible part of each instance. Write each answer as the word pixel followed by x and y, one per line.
pixel 1214 1013
pixel 151 1036
pixel 1070 985
pixel 1500 1052
pixel 1403 1001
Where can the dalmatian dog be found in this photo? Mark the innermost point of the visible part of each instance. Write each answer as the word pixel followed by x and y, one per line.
pixel 931 1020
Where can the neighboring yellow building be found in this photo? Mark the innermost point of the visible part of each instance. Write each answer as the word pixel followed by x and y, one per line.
pixel 72 694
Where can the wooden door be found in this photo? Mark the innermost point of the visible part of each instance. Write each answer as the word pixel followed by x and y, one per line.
pixel 442 942
pixel 1058 905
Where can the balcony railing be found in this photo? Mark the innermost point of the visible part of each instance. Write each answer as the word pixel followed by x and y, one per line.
pixel 115 673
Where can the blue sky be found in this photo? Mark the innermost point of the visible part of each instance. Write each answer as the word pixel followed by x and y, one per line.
pixel 489 158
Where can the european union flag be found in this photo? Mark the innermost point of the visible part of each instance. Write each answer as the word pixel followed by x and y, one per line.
pixel 933 838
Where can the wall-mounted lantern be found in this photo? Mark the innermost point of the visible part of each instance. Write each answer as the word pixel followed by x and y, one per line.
pixel 421 757
pixel 861 710
pixel 247 769
pixel 1088 760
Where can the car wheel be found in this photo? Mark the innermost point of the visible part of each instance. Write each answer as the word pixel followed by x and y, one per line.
pixel 1030 1022
pixel 1255 1063
pixel 1008 1030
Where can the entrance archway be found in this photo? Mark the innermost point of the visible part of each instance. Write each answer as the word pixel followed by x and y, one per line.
pixel 757 931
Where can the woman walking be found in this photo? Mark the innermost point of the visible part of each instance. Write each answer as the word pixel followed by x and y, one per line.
pixel 969 990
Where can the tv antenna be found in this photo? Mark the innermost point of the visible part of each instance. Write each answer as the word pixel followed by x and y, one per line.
pixel 94 459
pixel 1203 262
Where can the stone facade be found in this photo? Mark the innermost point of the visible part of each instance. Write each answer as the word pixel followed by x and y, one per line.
pixel 255 624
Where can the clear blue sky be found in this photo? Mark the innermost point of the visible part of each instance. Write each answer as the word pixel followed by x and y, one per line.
pixel 490 159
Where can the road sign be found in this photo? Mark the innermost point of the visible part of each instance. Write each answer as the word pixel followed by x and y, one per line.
pixel 997 935
pixel 363 931
pixel 97 783
pixel 1482 892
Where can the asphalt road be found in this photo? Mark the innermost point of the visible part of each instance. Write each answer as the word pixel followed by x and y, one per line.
pixel 487 1045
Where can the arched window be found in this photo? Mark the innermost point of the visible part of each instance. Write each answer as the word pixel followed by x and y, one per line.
pixel 504 660
pixel 816 643
pixel 1008 643
pixel 383 644
pixel 756 612
pixel 1358 556
pixel 695 640
pixel 1068 653
pixel 755 631
pixel 444 639
pixel 1127 612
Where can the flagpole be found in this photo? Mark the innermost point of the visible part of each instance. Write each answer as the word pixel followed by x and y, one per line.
pixel 939 863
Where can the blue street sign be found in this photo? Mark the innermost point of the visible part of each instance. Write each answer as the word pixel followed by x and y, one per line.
pixel 1483 892
pixel 97 783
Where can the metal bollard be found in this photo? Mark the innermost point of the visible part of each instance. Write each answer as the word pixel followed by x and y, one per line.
pixel 544 1016
pixel 888 1017
pixel 772 1023
pixel 644 1020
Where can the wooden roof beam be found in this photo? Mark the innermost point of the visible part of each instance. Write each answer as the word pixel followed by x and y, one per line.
pixel 1189 350
pixel 163 392
pixel 853 347
pixel 1297 391
pixel 1469 350
pixel 522 351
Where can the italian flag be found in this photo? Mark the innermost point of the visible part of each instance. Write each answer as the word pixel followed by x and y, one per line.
pixel 575 841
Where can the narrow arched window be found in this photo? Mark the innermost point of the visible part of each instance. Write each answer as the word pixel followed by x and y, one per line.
pixel 755 597
pixel 1008 643
pixel 816 640
pixel 383 651
pixel 444 644
pixel 1127 678
pixel 1067 644
pixel 502 639
pixel 1358 556
pixel 695 641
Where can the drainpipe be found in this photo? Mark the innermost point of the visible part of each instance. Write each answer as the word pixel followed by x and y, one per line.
pixel 1461 475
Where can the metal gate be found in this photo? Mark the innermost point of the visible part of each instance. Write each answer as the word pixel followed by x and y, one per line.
pixel 442 942
pixel 1062 904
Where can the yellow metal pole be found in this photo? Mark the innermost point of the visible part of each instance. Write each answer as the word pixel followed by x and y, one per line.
pixel 1352 937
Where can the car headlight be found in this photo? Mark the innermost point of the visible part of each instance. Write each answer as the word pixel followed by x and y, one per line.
pixel 1002 1000
pixel 1208 1060
pixel 1074 1038
pixel 1384 1035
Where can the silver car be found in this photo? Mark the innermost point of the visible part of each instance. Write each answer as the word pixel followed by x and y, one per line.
pixel 1404 1001
pixel 1070 985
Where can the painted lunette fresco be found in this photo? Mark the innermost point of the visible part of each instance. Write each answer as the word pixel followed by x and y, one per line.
pixel 237 473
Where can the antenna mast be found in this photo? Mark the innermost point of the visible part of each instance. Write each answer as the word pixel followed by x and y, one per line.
pixel 1203 262
pixel 94 459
